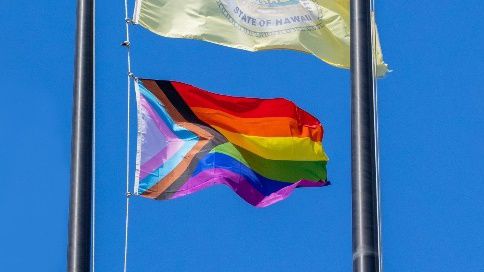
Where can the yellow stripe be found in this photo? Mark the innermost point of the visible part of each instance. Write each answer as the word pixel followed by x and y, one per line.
pixel 278 148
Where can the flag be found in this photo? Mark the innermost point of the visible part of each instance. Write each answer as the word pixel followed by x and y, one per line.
pixel 319 27
pixel 190 139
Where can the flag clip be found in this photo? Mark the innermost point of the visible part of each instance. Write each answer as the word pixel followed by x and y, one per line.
pixel 128 194
pixel 128 21
pixel 125 43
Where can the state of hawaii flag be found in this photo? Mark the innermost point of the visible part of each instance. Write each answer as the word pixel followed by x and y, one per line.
pixel 318 27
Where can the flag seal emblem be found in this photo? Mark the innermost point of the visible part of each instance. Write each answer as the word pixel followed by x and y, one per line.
pixel 262 18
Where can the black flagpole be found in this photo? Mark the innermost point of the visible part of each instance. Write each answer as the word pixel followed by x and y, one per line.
pixel 366 249
pixel 79 244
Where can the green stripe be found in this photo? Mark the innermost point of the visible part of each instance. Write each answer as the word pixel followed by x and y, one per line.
pixel 287 171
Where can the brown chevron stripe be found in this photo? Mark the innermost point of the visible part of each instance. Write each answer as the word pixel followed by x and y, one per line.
pixel 208 138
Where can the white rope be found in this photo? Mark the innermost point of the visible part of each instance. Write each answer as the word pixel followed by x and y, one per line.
pixel 126 236
pixel 93 211
pixel 375 124
pixel 127 44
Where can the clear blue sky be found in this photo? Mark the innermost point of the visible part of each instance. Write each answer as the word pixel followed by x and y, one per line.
pixel 431 136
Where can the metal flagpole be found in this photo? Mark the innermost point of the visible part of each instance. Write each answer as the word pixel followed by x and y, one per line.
pixel 366 248
pixel 79 243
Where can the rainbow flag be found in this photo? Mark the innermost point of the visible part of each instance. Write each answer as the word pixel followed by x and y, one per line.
pixel 190 139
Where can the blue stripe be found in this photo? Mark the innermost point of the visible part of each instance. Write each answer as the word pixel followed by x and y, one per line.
pixel 189 141
pixel 159 108
pixel 218 160
pixel 164 169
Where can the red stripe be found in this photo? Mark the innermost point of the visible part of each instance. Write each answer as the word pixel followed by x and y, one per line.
pixel 243 107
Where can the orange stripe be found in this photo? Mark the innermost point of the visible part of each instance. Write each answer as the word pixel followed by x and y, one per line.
pixel 265 126
pixel 204 136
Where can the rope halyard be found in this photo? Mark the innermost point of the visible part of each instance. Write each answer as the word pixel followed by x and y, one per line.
pixel 130 76
pixel 377 145
pixel 93 192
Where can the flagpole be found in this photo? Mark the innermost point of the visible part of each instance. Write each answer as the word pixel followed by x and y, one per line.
pixel 79 241
pixel 366 247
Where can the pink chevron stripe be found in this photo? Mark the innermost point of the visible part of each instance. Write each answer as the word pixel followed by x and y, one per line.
pixel 159 123
pixel 169 144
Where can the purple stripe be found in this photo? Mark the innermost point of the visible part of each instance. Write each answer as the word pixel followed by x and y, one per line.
pixel 241 186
